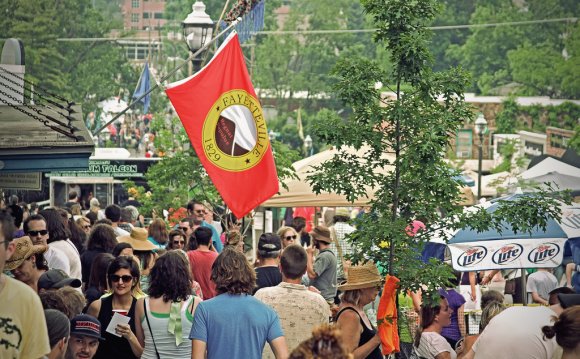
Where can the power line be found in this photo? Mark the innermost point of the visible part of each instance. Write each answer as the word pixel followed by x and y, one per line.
pixel 345 31
pixel 435 28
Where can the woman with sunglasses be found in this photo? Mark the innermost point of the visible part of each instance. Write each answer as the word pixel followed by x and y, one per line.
pixel 123 276
pixel 177 240
pixel 288 236
pixel 358 334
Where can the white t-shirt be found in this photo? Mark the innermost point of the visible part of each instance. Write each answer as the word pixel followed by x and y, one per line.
pixel 72 254
pixel 56 259
pixel 432 344
pixel 516 333
pixel 542 283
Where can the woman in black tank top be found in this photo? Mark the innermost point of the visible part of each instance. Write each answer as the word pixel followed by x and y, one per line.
pixel 123 276
pixel 358 335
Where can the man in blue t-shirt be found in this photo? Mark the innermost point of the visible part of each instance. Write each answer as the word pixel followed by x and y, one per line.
pixel 198 210
pixel 234 324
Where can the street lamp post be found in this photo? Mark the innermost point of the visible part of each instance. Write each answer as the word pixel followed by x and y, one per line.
pixel 308 149
pixel 480 127
pixel 197 30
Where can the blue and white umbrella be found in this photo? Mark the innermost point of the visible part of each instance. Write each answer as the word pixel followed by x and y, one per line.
pixel 490 249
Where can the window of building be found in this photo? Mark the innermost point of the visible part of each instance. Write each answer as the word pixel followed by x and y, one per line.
pixel 463 143
pixel 558 141
pixel 135 4
pixel 146 15
pixel 158 15
pixel 134 17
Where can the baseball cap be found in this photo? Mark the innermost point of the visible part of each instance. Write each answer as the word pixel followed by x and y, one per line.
pixel 55 279
pixel 269 242
pixel 569 300
pixel 86 325
pixel 58 326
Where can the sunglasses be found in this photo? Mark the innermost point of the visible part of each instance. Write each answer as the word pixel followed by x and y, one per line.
pixel 185 229
pixel 200 211
pixel 178 242
pixel 43 232
pixel 293 237
pixel 125 278
pixel 87 227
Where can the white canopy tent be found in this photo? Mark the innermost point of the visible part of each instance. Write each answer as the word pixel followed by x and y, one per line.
pixel 300 193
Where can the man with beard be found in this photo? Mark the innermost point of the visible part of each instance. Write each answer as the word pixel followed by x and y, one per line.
pixel 322 271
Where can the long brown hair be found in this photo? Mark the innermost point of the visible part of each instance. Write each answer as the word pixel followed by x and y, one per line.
pixel 158 230
pixel 232 273
pixel 428 314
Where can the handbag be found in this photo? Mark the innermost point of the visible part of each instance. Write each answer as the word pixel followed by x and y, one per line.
pixel 510 286
pixel 149 325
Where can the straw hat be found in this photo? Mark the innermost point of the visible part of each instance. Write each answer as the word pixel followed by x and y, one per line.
pixel 321 233
pixel 361 276
pixel 24 249
pixel 342 211
pixel 138 240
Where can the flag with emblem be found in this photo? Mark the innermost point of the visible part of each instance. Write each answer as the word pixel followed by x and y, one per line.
pixel 223 118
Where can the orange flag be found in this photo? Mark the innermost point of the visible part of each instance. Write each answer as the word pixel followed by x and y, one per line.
pixel 223 118
pixel 387 317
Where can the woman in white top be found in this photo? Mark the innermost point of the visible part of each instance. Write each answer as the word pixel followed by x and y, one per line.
pixel 166 316
pixel 429 343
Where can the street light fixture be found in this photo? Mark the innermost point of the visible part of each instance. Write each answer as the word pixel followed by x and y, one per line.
pixel 480 128
pixel 308 145
pixel 197 28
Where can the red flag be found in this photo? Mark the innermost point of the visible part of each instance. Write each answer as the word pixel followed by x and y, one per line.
pixel 225 124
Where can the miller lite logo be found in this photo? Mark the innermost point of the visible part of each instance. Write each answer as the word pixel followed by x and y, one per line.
pixel 507 254
pixel 471 256
pixel 544 252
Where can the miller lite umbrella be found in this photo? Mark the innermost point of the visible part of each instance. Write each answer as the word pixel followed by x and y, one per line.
pixel 473 251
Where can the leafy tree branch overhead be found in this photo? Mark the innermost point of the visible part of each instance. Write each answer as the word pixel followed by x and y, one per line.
pixel 403 142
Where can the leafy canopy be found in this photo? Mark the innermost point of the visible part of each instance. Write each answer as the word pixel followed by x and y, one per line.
pixel 400 145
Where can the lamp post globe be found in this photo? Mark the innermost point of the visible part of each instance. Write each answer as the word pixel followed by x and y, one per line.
pixel 480 128
pixel 197 28
pixel 308 145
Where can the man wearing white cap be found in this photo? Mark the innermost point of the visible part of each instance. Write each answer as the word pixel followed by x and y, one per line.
pixel 338 233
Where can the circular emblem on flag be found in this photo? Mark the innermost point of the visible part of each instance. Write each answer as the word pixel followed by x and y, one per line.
pixel 234 132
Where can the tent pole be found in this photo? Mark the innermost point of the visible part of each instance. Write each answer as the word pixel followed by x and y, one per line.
pixel 524 292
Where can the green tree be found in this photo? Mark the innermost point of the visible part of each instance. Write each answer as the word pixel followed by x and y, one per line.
pixel 403 143
pixel 84 72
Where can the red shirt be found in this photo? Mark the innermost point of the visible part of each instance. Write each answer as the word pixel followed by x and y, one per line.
pixel 201 263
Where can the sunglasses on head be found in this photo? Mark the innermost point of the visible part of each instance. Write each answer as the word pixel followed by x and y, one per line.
pixel 125 278
pixel 43 232
pixel 292 237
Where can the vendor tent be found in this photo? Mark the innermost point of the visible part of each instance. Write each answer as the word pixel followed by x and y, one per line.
pixel 301 194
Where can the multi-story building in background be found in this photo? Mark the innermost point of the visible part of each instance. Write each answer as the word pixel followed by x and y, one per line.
pixel 144 19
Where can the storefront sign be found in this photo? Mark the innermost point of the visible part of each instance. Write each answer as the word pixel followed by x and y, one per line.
pixel 30 181
pixel 109 168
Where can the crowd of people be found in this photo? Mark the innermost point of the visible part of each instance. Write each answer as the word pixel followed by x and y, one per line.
pixel 100 284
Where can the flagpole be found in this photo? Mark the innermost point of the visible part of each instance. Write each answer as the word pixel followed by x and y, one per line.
pixel 191 57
